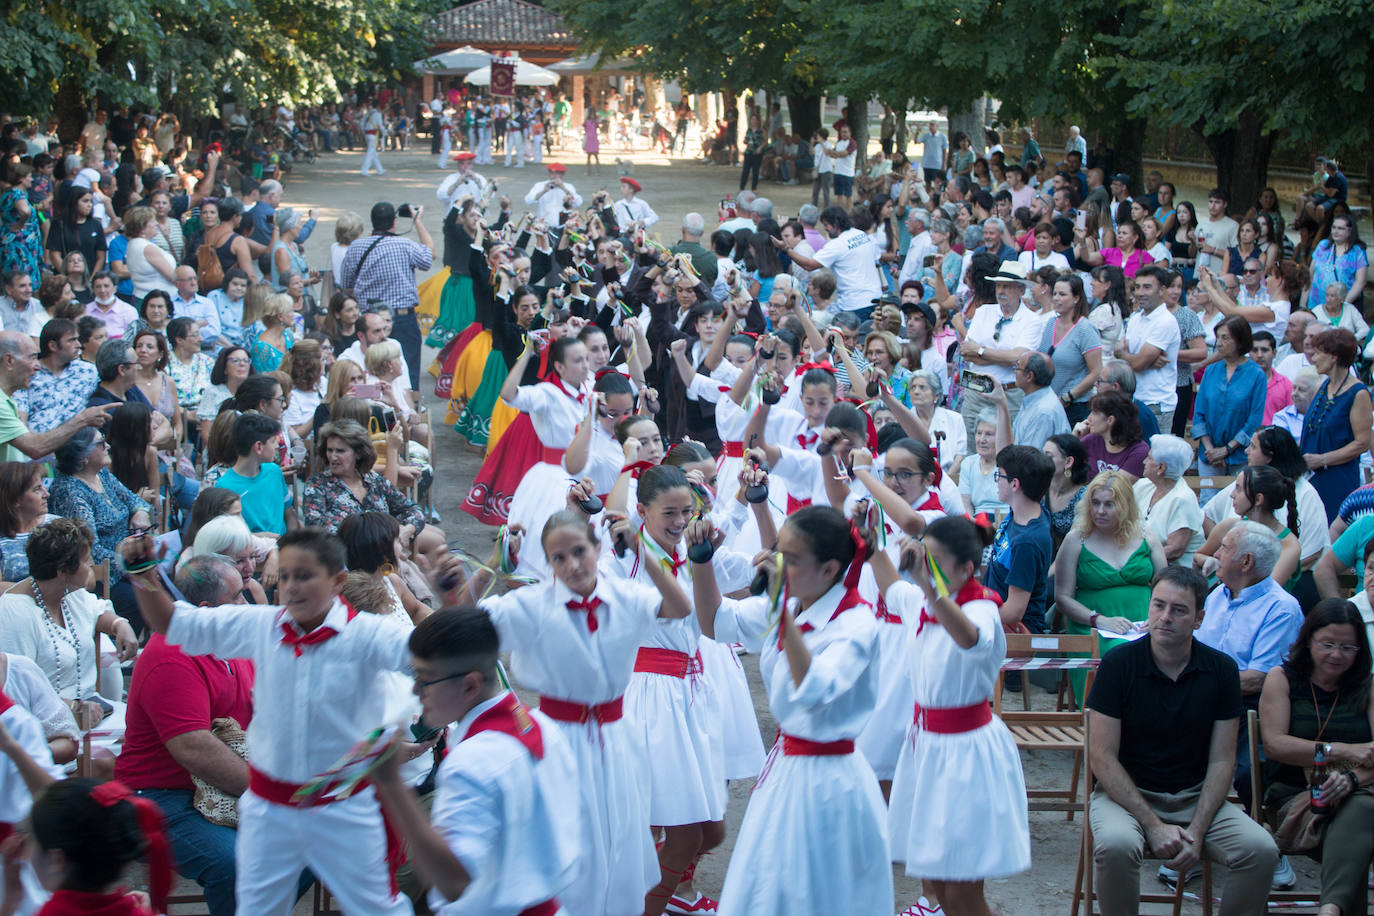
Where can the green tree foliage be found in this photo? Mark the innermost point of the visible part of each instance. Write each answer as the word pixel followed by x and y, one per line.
pixel 54 53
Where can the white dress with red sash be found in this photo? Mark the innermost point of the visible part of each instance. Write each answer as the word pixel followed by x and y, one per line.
pixel 958 803
pixel 587 657
pixel 555 409
pixel 814 839
pixel 15 800
pixel 671 702
pixel 731 422
pixel 506 802
pixel 881 741
pixel 315 696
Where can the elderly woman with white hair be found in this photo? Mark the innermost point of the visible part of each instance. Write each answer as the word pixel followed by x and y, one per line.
pixel 975 472
pixel 229 537
pixel 286 255
pixel 947 435
pixel 1168 504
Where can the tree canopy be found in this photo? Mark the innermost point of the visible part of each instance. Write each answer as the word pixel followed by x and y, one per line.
pixel 194 51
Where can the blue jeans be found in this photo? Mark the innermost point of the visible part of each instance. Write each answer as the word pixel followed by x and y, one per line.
pixel 204 852
pixel 405 330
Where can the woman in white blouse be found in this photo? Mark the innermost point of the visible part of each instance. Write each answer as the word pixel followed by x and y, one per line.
pixel 1169 505
pixel 150 267
pixel 51 618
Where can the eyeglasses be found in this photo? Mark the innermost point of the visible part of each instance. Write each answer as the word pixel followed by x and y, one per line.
pixel 239 360
pixel 280 400
pixel 439 680
pixel 1338 647
pixel 998 474
pixel 901 475
pixel 1251 270
pixel 98 443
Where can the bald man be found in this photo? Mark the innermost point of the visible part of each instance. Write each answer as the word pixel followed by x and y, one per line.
pixel 188 303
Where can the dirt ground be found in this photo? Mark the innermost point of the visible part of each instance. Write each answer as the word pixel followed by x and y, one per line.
pixel 332 186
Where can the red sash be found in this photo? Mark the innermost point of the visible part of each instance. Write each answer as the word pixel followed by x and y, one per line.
pixel 511 717
pixel 81 903
pixel 733 449
pixel 666 661
pixel 952 720
pixel 547 908
pixel 793 746
pixel 567 711
pixel 281 793
pixel 552 455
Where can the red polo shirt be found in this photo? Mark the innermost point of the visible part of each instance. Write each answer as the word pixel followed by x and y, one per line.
pixel 173 693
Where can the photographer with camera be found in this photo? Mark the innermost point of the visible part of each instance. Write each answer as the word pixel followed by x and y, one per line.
pixel 380 270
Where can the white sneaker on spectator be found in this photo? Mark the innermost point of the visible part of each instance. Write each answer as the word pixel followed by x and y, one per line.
pixel 1170 877
pixel 1284 878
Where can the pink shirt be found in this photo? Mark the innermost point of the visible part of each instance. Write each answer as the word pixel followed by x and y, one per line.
pixel 1137 260
pixel 1278 396
pixel 116 318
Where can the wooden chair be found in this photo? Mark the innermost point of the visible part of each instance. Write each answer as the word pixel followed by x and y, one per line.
pixel 1058 730
pixel 102 579
pixel 1198 484
pixel 1083 891
pixel 324 904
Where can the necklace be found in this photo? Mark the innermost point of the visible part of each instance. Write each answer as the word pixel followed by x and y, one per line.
pixel 1316 710
pixel 56 633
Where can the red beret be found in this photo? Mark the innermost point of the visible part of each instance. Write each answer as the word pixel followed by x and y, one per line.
pixel 464 157
pixel 626 179
pixel 556 167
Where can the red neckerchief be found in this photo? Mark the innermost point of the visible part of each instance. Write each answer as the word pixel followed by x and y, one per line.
pixel 972 590
pixel 5 702
pixel 807 440
pixel 932 501
pixel 588 606
pixel 557 382
pixel 677 562
pixel 79 903
pixel 297 641
pixel 511 717
pixel 850 599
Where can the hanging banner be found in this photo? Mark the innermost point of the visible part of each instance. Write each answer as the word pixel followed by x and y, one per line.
pixel 503 78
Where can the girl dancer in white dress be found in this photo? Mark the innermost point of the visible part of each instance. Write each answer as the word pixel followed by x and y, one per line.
pixel 814 839
pixel 958 809
pixel 574 639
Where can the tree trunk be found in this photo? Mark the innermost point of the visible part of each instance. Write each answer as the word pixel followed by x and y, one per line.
pixel 1129 147
pixel 968 121
pixel 902 138
pixel 1242 160
pixel 804 105
pixel 856 114
pixel 70 108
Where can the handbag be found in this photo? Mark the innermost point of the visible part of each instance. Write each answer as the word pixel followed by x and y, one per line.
pixel 209 271
pixel 377 429
pixel 213 803
pixel 1300 829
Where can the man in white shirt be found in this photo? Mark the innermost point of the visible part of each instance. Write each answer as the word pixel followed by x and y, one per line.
pixel 552 196
pixel 1150 346
pixel 630 210
pixel 934 146
pixel 918 224
pixel 462 183
pixel 1299 360
pixel 1293 335
pixel 997 337
pixel 373 127
pixel 1216 233
pixel 844 153
pixel 852 256
pixel 188 303
pixel 19 311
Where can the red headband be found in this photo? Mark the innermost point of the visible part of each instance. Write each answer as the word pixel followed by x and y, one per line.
pixel 856 565
pixel 150 821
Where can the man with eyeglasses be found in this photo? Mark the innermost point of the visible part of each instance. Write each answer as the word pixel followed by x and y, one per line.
pixel 998 336
pixel 118 369
pixel 18 362
pixel 1252 619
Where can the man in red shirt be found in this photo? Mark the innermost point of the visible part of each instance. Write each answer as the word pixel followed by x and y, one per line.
pixel 173 700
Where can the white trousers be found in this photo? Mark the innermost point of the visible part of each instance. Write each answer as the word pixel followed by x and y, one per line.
pixel 445 147
pixel 536 151
pixel 370 159
pixel 344 844
pixel 484 145
pixel 515 146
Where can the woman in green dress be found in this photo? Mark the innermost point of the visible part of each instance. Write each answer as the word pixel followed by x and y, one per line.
pixel 1106 564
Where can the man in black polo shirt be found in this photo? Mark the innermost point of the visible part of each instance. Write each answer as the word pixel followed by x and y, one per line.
pixel 1164 712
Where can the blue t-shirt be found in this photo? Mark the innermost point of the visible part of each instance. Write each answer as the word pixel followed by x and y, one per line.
pixel 1021 556
pixel 264 498
pixel 119 251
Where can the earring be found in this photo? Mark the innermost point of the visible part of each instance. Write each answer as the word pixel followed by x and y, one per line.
pixel 386 569
pixel 1068 472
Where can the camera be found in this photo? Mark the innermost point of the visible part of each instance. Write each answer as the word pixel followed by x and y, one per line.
pixel 406 211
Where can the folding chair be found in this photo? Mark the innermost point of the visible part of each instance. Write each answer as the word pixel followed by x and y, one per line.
pixel 1083 891
pixel 1036 730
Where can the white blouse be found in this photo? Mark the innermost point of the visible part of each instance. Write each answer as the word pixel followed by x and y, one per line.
pixel 66 655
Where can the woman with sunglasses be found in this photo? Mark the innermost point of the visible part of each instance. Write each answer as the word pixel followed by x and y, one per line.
pixel 87 490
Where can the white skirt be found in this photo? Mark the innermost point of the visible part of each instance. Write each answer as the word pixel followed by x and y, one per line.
pixel 683 778
pixel 814 841
pixel 619 862
pixel 542 492
pixel 958 806
pixel 881 740
pixel 736 725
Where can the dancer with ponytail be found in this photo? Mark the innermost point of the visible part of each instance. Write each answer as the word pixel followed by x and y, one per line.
pixel 814 839
pixel 958 809
pixel 82 836
pixel 574 639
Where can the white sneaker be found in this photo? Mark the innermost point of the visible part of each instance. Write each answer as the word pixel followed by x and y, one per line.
pixel 1284 877
pixel 922 907
pixel 1170 877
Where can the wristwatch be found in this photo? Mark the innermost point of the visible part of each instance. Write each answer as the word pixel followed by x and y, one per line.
pixel 981 351
pixel 1326 750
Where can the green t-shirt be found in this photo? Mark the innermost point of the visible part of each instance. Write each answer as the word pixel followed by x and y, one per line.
pixel 265 498
pixel 11 428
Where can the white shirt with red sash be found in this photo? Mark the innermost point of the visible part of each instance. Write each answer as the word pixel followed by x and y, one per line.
pixel 506 801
